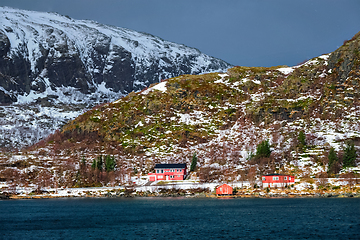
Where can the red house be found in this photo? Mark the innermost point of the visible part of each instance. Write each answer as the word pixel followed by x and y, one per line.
pixel 224 190
pixel 277 180
pixel 168 172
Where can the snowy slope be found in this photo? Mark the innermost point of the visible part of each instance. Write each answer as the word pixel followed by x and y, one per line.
pixel 51 61
pixel 34 36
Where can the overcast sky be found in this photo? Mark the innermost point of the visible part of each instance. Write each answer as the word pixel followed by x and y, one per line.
pixel 241 32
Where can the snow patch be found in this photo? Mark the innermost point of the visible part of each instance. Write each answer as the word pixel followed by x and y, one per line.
pixel 160 87
pixel 286 70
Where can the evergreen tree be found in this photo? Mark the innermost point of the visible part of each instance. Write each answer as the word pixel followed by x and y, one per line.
pixel 333 159
pixel 83 161
pixel 349 155
pixel 99 163
pixel 83 164
pixel 263 149
pixel 302 138
pixel 193 162
pixel 109 163
pixel 94 164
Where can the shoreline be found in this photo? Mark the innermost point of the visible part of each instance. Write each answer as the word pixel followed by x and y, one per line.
pixel 183 189
pixel 196 195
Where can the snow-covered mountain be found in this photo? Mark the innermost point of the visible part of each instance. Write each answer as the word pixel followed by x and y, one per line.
pixel 53 63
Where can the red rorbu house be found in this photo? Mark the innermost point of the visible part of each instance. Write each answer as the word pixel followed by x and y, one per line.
pixel 224 190
pixel 168 172
pixel 277 180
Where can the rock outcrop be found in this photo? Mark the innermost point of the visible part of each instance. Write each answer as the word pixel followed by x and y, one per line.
pixel 345 61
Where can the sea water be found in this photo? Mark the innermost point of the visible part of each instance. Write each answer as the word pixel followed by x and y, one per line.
pixel 180 218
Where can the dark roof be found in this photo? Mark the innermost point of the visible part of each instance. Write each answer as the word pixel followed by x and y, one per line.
pixel 171 165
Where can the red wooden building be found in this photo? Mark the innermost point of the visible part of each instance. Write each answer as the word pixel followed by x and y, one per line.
pixel 224 190
pixel 277 180
pixel 164 172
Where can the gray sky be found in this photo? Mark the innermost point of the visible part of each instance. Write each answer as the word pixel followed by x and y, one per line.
pixel 246 33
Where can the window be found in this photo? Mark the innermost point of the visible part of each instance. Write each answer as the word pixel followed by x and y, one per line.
pixel 157 171
pixel 275 178
pixel 289 178
pixel 264 178
pixel 285 178
pixel 161 171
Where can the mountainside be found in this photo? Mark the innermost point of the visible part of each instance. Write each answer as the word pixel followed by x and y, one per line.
pixel 49 60
pixel 237 105
pixel 302 112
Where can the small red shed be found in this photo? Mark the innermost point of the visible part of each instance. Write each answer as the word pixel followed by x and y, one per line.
pixel 224 190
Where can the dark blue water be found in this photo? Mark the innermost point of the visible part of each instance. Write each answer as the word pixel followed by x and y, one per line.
pixel 180 218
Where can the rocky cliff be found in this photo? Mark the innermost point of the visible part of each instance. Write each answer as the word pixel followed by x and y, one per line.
pixel 41 50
